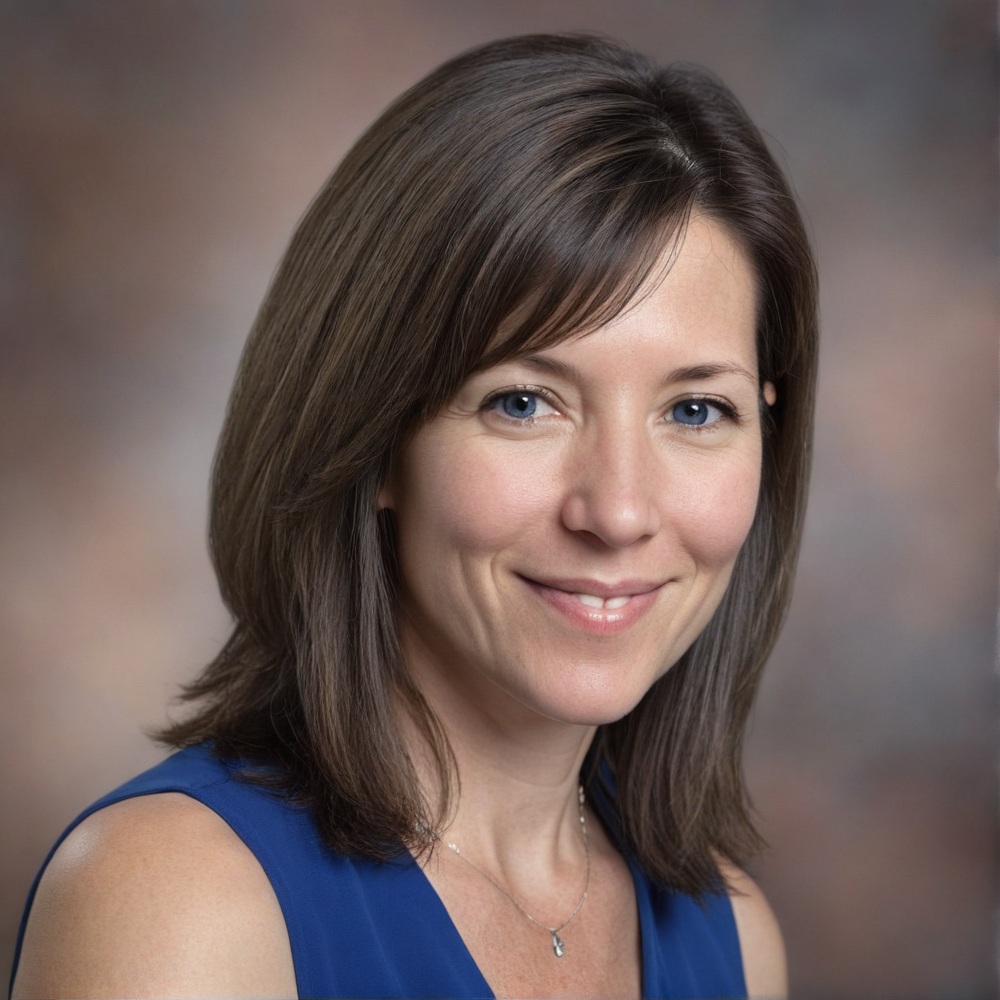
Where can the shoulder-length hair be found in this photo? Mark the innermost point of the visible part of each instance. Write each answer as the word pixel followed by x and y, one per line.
pixel 537 178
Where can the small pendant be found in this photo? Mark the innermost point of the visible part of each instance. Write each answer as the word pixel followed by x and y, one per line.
pixel 557 946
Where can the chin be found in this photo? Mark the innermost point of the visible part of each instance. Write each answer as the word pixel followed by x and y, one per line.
pixel 592 695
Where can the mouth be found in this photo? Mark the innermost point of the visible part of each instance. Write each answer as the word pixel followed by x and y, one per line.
pixel 609 604
pixel 597 606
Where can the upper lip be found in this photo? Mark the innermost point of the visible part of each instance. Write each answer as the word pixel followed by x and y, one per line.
pixel 597 588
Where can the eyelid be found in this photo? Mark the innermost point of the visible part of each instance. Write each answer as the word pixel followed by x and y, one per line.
pixel 725 407
pixel 728 410
pixel 535 390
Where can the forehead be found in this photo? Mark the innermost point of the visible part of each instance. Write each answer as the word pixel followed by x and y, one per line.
pixel 698 305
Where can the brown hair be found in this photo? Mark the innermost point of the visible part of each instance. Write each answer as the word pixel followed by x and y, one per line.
pixel 538 177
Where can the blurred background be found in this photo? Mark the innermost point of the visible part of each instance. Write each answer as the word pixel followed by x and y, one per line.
pixel 154 157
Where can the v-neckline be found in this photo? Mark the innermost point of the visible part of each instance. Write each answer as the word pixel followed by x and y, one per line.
pixel 433 899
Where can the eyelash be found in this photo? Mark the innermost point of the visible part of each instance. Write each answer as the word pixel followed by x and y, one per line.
pixel 727 410
pixel 511 390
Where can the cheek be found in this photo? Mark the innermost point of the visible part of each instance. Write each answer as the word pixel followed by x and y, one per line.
pixel 713 509
pixel 461 502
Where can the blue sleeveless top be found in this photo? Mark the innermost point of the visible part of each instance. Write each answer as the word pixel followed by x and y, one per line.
pixel 365 930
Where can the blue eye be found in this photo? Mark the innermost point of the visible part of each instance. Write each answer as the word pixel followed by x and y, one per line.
pixel 695 412
pixel 519 405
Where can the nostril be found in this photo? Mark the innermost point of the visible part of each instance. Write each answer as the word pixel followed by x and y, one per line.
pixel 616 522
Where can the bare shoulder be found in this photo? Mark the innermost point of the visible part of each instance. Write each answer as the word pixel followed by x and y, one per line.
pixel 155 896
pixel 761 943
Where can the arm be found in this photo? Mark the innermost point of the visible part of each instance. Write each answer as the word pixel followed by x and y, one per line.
pixel 761 944
pixel 155 896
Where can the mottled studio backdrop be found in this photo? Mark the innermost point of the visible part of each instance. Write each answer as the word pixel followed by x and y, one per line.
pixel 154 157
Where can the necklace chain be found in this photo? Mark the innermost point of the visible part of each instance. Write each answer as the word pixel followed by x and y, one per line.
pixel 558 946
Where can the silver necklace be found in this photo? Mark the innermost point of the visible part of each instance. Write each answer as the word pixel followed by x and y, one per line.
pixel 558 946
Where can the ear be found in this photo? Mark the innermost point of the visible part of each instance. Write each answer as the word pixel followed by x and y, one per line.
pixel 387 491
pixel 770 393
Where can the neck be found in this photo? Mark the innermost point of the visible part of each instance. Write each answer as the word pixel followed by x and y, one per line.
pixel 515 804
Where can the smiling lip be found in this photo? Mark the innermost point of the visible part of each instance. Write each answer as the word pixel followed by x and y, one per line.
pixel 601 608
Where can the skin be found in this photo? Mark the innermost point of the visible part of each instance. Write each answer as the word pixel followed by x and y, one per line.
pixel 498 519
pixel 155 897
pixel 601 485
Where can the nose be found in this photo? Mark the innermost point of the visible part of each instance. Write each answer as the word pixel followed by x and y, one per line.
pixel 612 490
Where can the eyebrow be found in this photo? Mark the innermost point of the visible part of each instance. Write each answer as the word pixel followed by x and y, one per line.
pixel 691 373
pixel 695 373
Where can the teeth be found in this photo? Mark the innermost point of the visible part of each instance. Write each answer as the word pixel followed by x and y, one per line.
pixel 598 602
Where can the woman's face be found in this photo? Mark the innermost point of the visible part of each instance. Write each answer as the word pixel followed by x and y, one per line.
pixel 569 522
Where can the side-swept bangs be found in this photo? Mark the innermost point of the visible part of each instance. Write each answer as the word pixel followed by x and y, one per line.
pixel 521 193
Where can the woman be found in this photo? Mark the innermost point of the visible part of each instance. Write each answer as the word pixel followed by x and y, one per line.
pixel 506 509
